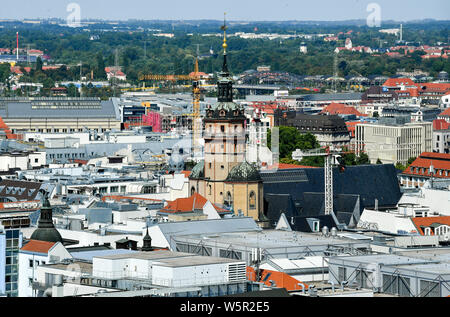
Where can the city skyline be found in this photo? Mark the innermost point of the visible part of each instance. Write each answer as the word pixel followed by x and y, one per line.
pixel 251 10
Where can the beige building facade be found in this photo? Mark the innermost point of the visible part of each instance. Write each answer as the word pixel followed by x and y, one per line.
pixel 393 143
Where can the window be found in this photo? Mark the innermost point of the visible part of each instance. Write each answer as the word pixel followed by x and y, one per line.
pixel 316 226
pixel 228 200
pixel 252 200
pixel 404 287
pixel 390 284
pixel 429 289
pixel 30 263
pixel 230 254
pixel 342 274
pixel 441 230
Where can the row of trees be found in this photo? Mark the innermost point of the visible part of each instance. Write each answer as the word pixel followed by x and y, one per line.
pixel 140 52
pixel 290 139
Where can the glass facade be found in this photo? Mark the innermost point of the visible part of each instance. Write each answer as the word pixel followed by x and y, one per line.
pixel 13 244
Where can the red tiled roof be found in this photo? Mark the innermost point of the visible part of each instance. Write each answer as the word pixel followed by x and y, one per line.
pixel 186 173
pixel 338 108
pixel 38 246
pixel 446 112
pixel 17 69
pixel 420 222
pixel 394 82
pixel 195 202
pixel 440 124
pixel 412 92
pixel 434 87
pixel 440 161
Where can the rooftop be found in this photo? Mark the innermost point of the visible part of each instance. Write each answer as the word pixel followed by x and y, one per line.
pixel 36 246
pixel 154 255
pixel 193 261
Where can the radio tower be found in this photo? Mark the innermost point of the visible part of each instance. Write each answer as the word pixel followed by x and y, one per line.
pixel 17 51
pixel 335 70
pixel 401 33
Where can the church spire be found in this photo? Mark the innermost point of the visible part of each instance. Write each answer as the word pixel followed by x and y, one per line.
pixel 225 85
pixel 147 245
pixel 46 231
pixel 225 46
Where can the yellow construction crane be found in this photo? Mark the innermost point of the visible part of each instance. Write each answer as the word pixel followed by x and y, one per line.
pixel 167 77
pixel 197 121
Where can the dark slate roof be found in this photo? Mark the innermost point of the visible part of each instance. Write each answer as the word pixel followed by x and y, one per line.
pixel 306 187
pixel 302 224
pixel 46 234
pixel 346 208
pixel 314 123
pixel 337 96
pixel 20 190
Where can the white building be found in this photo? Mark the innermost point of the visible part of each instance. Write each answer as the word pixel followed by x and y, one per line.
pixel 441 141
pixel 22 160
pixel 445 102
pixel 396 221
pixel 33 254
pixel 170 269
pixel 435 198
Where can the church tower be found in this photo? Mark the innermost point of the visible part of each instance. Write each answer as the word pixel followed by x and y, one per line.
pixel 224 134
pixel 224 177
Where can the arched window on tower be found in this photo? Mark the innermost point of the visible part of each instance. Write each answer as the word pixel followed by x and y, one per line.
pixel 228 201
pixel 252 200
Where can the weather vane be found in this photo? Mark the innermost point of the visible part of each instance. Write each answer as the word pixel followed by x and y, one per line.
pixel 224 29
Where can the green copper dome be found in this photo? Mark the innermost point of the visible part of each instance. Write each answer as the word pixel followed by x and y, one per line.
pixel 198 170
pixel 244 172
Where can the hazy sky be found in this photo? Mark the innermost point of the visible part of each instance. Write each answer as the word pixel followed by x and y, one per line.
pixel 251 10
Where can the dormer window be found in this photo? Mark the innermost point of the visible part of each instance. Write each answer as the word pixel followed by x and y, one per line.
pixel 222 113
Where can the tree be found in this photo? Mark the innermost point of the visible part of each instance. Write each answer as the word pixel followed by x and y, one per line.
pixel 362 159
pixel 379 161
pixel 411 160
pixel 400 166
pixel 375 114
pixel 99 71
pixel 5 70
pixel 39 64
pixel 290 139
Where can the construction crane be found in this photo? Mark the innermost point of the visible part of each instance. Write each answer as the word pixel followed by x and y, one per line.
pixel 196 90
pixel 332 156
pixel 197 121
